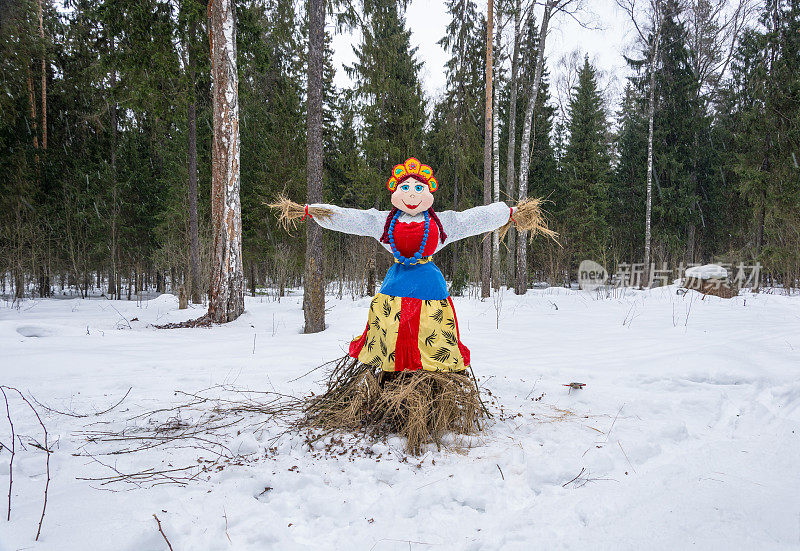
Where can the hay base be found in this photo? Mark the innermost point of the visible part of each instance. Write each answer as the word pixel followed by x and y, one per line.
pixel 421 406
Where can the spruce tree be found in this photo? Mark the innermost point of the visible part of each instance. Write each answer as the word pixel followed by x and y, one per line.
pixel 626 198
pixel 456 139
pixel 681 127
pixel 386 74
pixel 583 207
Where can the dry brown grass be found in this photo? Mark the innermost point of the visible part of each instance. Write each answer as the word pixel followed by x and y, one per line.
pixel 290 213
pixel 421 406
pixel 529 216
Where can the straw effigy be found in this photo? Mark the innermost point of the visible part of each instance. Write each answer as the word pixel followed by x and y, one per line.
pixel 421 406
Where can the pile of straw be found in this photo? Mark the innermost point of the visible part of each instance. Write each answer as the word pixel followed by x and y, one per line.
pixel 529 216
pixel 421 406
pixel 290 213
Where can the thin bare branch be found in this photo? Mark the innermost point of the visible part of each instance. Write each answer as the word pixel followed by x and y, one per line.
pixel 13 452
pixel 46 450
pixel 162 532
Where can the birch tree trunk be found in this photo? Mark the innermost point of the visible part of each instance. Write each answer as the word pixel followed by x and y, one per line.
pixel 226 302
pixel 454 248
pixel 512 138
pixel 496 180
pixel 194 238
pixel 314 283
pixel 651 110
pixel 521 286
pixel 486 259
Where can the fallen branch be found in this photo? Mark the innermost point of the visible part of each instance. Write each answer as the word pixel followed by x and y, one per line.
pixel 202 321
pixel 162 532
pixel 13 453
pixel 46 450
pixel 203 423
pixel 585 480
pixel 82 415
pixel 583 469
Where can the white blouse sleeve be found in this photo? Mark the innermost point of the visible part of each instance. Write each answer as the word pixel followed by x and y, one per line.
pixel 369 223
pixel 462 224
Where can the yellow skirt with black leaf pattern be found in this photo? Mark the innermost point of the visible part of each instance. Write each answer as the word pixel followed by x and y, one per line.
pixel 406 334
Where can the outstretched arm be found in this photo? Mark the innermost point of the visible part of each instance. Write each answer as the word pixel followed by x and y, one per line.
pixel 368 223
pixel 474 221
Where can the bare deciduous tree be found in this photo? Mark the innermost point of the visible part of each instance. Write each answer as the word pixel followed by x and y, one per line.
pixel 521 286
pixel 486 258
pixel 226 302
pixel 551 9
pixel 714 27
pixel 646 23
pixel 512 132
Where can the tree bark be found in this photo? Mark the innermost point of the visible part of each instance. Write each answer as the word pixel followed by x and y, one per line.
pixel 651 110
pixel 226 302
pixel 486 258
pixel 44 79
pixel 194 238
pixel 512 137
pixel 496 178
pixel 32 106
pixel 113 288
pixel 521 286
pixel 454 248
pixel 314 288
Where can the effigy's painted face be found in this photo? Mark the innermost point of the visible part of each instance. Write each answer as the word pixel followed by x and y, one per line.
pixel 412 196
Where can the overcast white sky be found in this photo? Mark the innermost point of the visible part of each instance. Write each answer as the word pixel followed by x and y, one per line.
pixel 610 34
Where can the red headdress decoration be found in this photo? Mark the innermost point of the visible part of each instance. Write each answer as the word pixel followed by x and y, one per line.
pixel 412 168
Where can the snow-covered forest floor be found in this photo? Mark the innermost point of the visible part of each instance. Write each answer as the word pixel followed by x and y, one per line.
pixel 687 433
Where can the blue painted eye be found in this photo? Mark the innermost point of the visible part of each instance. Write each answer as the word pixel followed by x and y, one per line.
pixel 418 188
pixel 404 187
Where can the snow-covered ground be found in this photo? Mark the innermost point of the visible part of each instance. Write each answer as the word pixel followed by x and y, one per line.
pixel 687 434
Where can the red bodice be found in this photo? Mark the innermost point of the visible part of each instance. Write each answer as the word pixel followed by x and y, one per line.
pixel 408 237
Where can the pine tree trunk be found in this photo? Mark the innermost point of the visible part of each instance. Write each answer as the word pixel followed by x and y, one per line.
pixel 521 286
pixel 226 302
pixel 32 107
pixel 314 284
pixel 194 238
pixel 512 138
pixel 486 258
pixel 44 79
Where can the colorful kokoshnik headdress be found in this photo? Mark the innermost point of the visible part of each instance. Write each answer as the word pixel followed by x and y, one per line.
pixel 412 168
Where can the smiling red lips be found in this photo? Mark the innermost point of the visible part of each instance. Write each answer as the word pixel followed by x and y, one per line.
pixel 411 207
